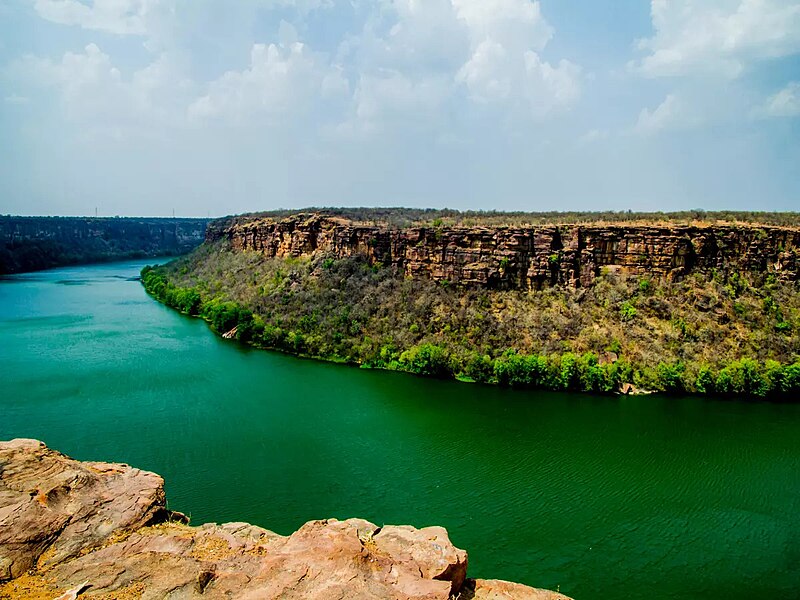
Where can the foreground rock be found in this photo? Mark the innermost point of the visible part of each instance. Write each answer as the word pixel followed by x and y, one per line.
pixel 98 530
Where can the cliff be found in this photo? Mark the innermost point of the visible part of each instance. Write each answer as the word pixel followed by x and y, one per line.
pixel 99 530
pixel 34 243
pixel 524 257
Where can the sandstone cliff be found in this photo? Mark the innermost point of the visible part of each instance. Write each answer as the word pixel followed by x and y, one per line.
pixel 33 243
pixel 524 258
pixel 96 530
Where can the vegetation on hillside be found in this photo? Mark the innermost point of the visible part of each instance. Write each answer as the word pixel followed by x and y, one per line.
pixel 719 333
pixel 429 217
pixel 35 243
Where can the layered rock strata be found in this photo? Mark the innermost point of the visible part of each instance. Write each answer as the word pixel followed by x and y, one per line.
pixel 523 258
pixel 72 529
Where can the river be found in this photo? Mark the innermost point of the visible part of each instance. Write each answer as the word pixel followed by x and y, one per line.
pixel 633 497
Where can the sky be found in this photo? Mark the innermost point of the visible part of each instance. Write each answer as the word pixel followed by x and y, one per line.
pixel 207 108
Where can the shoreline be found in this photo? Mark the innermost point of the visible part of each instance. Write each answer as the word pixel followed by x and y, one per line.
pixel 624 388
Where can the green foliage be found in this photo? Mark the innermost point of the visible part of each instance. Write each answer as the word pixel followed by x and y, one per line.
pixel 480 368
pixel 627 311
pixel 675 337
pixel 519 370
pixel 704 382
pixel 569 378
pixel 591 375
pixel 426 359
pixel 742 378
pixel 670 377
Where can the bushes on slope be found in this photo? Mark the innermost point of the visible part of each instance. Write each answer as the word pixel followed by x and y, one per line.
pixel 349 311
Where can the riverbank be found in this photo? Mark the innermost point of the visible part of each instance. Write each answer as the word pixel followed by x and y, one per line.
pixel 101 530
pixel 720 333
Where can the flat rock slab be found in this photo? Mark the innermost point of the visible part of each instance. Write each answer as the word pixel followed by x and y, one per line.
pixel 96 530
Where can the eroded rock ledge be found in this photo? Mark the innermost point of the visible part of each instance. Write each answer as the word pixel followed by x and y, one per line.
pixel 100 530
pixel 524 257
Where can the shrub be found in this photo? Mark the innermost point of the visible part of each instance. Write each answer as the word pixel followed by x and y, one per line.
pixel 670 377
pixel 569 377
pixel 627 311
pixel 742 378
pixel 704 382
pixel 521 371
pixel 479 367
pixel 590 374
pixel 427 359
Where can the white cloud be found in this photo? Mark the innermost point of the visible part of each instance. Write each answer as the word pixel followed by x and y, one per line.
pixel 784 103
pixel 280 80
pixel 517 23
pixel 93 91
pixel 155 17
pixel 488 48
pixel 505 66
pixel 717 37
pixel 393 94
pixel 665 115
pixel 415 62
pixel 124 17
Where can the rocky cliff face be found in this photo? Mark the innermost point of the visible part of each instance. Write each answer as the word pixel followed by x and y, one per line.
pixel 32 243
pixel 98 530
pixel 524 258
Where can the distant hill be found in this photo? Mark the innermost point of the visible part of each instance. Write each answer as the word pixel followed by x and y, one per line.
pixel 35 243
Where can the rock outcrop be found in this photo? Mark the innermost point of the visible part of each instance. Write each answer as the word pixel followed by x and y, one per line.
pixel 98 530
pixel 33 243
pixel 523 258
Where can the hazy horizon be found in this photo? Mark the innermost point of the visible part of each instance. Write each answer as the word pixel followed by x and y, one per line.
pixel 142 107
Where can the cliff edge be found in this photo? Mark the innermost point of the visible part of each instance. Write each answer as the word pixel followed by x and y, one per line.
pixel 71 529
pixel 524 258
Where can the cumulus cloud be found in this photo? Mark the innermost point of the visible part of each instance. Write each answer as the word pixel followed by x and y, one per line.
pixel 785 103
pixel 391 94
pixel 717 37
pixel 505 65
pixel 665 115
pixel 280 80
pixel 492 52
pixel 517 23
pixel 92 90
pixel 124 17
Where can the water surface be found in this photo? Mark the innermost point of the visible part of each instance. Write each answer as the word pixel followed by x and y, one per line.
pixel 637 498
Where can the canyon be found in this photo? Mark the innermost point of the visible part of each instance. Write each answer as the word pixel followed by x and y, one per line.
pixel 524 257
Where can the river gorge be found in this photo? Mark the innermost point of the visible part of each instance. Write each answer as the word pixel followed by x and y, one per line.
pixel 598 497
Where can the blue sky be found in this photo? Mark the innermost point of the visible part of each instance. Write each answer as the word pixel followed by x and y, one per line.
pixel 139 107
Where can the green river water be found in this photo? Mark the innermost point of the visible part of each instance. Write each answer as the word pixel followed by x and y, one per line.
pixel 604 498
